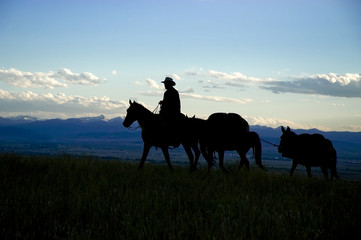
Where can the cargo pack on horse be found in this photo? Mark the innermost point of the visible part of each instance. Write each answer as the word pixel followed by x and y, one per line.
pixel 308 150
pixel 226 132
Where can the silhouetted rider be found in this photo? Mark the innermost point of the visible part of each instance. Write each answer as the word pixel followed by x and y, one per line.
pixel 170 113
pixel 170 108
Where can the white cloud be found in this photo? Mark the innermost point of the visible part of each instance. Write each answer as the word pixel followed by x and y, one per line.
pixel 235 79
pixel 18 78
pixel 236 76
pixel 176 77
pixel 217 98
pixel 347 85
pixel 114 72
pixel 48 80
pixel 153 84
pixel 353 128
pixel 85 78
pixel 275 122
pixel 60 103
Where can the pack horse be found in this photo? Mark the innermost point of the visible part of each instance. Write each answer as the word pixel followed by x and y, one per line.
pixel 309 150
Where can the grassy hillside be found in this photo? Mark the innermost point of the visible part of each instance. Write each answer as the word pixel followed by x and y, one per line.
pixel 86 198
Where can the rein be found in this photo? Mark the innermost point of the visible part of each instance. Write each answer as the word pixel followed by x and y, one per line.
pixel 156 110
pixel 275 145
pixel 133 129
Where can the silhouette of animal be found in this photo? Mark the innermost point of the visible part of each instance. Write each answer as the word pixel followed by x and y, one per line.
pixel 227 132
pixel 308 150
pixel 157 133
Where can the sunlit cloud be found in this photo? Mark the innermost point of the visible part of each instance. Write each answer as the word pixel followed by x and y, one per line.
pixel 175 77
pixel 347 85
pixel 275 122
pixel 217 98
pixel 212 79
pixel 236 76
pixel 353 128
pixel 331 84
pixel 28 101
pixel 48 80
pixel 153 84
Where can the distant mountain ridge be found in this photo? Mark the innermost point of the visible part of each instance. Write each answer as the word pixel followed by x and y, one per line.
pixel 100 124
pixel 102 134
pixel 64 130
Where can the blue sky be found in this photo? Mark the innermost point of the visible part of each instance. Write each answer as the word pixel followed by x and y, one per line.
pixel 295 63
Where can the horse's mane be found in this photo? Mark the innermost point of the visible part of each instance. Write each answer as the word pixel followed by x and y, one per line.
pixel 138 105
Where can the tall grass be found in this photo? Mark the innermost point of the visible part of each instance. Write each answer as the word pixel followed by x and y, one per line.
pixel 85 198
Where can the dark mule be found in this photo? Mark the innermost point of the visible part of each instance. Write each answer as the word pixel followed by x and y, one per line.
pixel 227 132
pixel 308 150
pixel 157 133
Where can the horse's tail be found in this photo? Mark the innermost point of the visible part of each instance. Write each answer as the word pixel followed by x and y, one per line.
pixel 257 148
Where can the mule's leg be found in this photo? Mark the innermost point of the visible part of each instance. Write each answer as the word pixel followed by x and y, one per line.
pixel 166 156
pixel 294 165
pixel 146 149
pixel 221 160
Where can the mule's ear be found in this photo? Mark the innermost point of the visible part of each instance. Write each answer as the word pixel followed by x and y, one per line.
pixel 130 102
pixel 288 129
pixel 283 129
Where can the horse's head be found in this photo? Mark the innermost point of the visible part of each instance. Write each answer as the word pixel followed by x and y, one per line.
pixel 133 114
pixel 287 142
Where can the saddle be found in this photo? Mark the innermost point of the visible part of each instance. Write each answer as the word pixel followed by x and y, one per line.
pixel 171 128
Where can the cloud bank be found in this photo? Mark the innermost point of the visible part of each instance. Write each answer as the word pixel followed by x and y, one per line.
pixel 188 93
pixel 348 85
pixel 28 102
pixel 331 84
pixel 48 80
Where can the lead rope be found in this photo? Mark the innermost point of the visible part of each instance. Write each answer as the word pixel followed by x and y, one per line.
pixel 275 145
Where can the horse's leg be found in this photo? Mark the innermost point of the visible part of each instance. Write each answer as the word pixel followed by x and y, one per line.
pixel 166 156
pixel 189 153
pixel 243 159
pixel 221 160
pixel 207 154
pixel 308 169
pixel 334 173
pixel 325 171
pixel 197 155
pixel 146 149
pixel 294 165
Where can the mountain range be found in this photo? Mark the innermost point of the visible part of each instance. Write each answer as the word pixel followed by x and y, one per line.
pixel 108 137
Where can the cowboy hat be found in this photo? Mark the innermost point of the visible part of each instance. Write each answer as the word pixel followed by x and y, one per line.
pixel 169 80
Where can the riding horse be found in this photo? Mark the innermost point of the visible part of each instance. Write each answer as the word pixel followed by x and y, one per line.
pixel 308 150
pixel 158 133
pixel 227 132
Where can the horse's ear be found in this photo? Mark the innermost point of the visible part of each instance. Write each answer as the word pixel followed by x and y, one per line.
pixel 288 129
pixel 283 129
pixel 130 102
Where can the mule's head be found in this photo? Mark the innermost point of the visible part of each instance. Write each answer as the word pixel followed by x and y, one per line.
pixel 287 142
pixel 132 114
